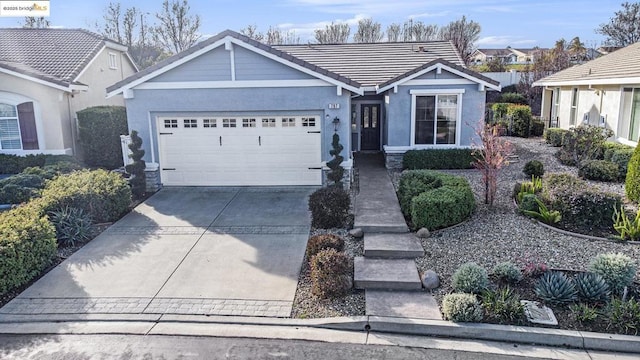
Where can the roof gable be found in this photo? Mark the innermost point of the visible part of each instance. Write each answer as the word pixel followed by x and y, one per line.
pixel 56 56
pixel 619 67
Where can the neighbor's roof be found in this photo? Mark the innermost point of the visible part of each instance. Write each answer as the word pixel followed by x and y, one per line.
pixel 57 56
pixel 619 67
pixel 372 64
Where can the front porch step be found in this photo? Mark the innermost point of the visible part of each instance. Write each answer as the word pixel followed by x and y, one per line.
pixel 406 304
pixel 392 245
pixel 385 274
pixel 382 229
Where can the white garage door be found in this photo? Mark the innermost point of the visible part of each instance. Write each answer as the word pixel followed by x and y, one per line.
pixel 242 150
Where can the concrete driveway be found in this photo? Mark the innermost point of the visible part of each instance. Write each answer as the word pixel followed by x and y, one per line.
pixel 216 251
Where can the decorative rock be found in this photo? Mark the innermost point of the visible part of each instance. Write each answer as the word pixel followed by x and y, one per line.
pixel 356 233
pixel 423 233
pixel 537 313
pixel 430 280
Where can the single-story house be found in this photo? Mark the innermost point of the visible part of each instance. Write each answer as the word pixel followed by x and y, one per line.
pixel 234 111
pixel 604 92
pixel 46 75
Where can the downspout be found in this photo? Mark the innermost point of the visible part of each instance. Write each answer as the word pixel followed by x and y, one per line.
pixel 72 122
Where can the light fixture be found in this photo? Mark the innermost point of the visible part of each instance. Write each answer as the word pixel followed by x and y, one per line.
pixel 336 122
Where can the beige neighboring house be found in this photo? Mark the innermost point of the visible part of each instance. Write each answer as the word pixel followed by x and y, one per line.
pixel 603 92
pixel 46 76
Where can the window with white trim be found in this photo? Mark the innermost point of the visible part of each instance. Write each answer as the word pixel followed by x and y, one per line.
pixel 308 121
pixel 630 114
pixel 574 106
pixel 113 61
pixel 9 128
pixel 288 122
pixel 209 123
pixel 170 123
pixel 190 123
pixel 228 123
pixel 436 117
pixel 268 122
pixel 248 123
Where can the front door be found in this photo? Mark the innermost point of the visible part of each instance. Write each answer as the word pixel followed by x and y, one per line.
pixel 370 127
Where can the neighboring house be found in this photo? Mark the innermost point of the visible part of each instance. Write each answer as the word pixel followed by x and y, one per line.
pixel 46 75
pixel 234 111
pixel 604 92
pixel 509 56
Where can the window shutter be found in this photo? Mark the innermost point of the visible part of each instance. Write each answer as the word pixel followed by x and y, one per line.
pixel 27 120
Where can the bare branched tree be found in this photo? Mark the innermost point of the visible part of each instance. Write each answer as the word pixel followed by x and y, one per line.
pixel 334 33
pixel 251 31
pixel 419 31
pixel 624 28
pixel 394 32
pixel 113 23
pixel 368 31
pixel 463 34
pixel 177 29
pixel 36 22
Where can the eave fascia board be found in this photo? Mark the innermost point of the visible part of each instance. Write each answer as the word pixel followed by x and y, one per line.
pixel 36 80
pixel 610 81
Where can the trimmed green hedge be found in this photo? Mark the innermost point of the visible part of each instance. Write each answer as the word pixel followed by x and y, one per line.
pixel 27 246
pixel 435 200
pixel 599 170
pixel 13 164
pixel 438 159
pixel 99 130
pixel 102 194
pixel 555 136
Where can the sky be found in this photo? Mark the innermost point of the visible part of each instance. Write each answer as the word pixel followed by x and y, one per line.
pixel 516 23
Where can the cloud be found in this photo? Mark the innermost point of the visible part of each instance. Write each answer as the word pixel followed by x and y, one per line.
pixel 504 40
pixel 429 15
pixel 306 31
pixel 372 7
pixel 497 9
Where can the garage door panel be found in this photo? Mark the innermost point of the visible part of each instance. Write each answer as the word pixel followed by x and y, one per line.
pixel 278 155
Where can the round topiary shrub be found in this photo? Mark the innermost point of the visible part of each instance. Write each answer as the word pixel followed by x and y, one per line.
pixel 507 272
pixel 529 203
pixel 632 182
pixel 618 270
pixel 470 278
pixel 599 170
pixel 459 307
pixel 331 273
pixel 320 242
pixel 533 168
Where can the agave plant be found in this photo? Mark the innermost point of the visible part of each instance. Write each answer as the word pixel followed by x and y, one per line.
pixel 592 288
pixel 555 287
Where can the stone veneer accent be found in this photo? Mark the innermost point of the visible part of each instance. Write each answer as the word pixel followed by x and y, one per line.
pixel 152 175
pixel 393 161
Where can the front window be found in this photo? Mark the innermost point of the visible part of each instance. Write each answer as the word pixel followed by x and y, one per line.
pixel 574 106
pixel 436 119
pixel 631 113
pixel 9 128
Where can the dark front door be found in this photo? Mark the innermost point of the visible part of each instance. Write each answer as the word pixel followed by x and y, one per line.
pixel 370 127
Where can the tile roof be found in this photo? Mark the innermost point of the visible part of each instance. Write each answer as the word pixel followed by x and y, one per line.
pixel 53 55
pixel 620 64
pixel 374 63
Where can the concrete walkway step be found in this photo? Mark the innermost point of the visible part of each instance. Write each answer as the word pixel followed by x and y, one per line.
pixel 392 245
pixel 389 274
pixel 405 304
pixel 373 228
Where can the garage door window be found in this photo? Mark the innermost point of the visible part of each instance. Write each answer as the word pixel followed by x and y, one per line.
pixel 270 122
pixel 288 122
pixel 170 123
pixel 229 123
pixel 248 123
pixel 209 123
pixel 308 122
pixel 190 123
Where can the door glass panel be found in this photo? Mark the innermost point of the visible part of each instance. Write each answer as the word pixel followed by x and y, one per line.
pixel 365 116
pixel 374 116
pixel 354 118
pixel 425 119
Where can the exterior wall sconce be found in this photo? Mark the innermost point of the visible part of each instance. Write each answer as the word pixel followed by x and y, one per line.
pixel 336 122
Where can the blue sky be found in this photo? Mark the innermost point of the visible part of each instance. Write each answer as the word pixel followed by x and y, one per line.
pixel 518 23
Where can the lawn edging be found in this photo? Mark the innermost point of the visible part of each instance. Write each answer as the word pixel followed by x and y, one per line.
pixel 583 236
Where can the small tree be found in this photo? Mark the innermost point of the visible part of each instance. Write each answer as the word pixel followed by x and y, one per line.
pixel 136 169
pixel 632 182
pixel 337 171
pixel 490 159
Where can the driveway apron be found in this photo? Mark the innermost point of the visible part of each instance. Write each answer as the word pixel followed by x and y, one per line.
pixel 205 251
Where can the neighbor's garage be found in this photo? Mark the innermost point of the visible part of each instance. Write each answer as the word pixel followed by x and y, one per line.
pixel 239 150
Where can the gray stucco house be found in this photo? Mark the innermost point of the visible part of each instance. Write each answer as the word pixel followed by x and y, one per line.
pixel 234 111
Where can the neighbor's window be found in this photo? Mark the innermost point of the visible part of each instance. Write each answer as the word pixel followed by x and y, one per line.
pixel 229 123
pixel 113 61
pixel 436 118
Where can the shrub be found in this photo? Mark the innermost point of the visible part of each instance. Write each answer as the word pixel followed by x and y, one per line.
pixel 507 272
pixel 14 164
pixel 555 287
pixel 330 273
pixel 626 228
pixel 618 270
pixel 583 313
pixel 600 170
pixel 535 268
pixel 624 316
pixel 99 130
pixel 528 202
pixel 103 195
pixel 592 288
pixel 502 306
pixel 461 308
pixel 329 207
pixel 632 181
pixel 138 179
pixel 513 98
pixel 20 188
pixel 470 278
pixel 438 159
pixel 582 143
pixel 543 213
pixel 435 200
pixel 533 168
pixel 335 165
pixel 610 148
pixel 521 117
pixel 499 111
pixel 323 241
pixel 27 246
pixel 72 225
pixel 555 136
pixel 537 127
pixel 621 158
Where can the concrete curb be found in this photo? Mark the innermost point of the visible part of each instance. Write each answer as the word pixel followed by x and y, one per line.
pixel 99 323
